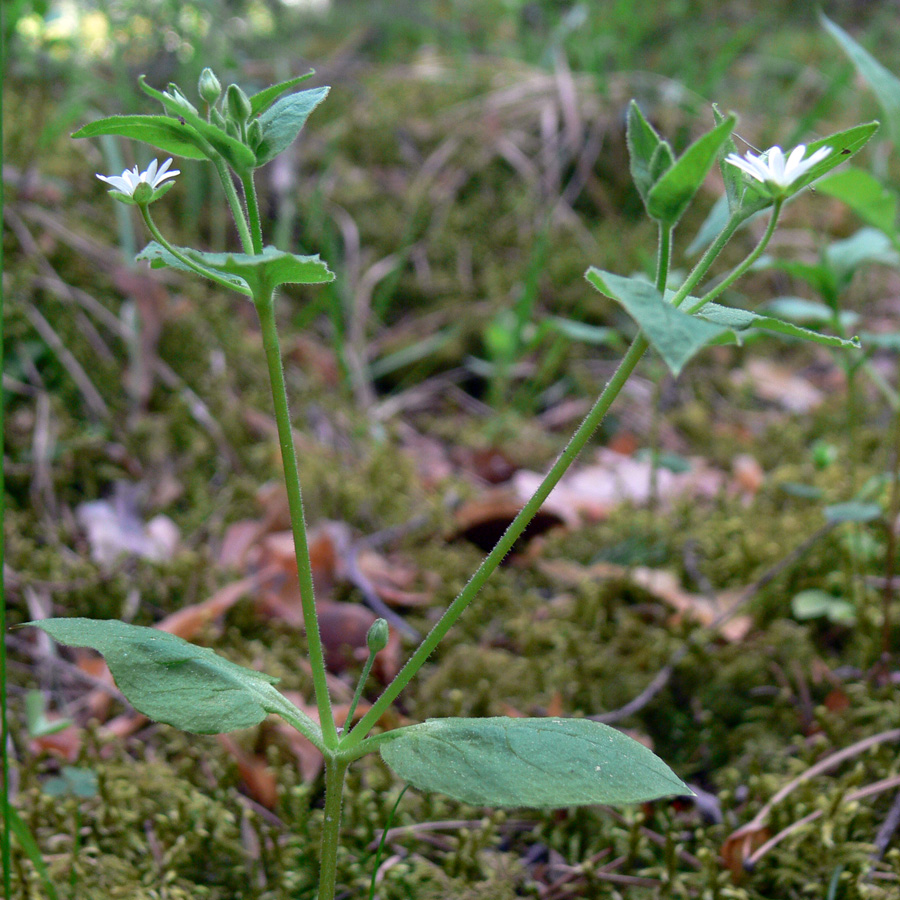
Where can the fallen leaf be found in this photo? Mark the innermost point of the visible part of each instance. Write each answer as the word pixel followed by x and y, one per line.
pixel 779 384
pixel 483 521
pixel 662 584
pixel 739 847
pixel 259 779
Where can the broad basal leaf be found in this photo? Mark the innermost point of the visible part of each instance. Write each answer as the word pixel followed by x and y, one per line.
pixel 738 320
pixel 165 133
pixel 170 680
pixel 675 335
pixel 529 762
pixel 282 122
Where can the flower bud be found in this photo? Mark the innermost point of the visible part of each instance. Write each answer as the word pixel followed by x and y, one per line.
pixel 174 93
pixel 237 104
pixel 377 638
pixel 208 87
pixel 254 134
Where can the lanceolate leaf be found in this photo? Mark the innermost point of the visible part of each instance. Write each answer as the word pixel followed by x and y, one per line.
pixel 741 319
pixel 282 122
pixel 872 201
pixel 675 335
pixel 672 193
pixel 844 145
pixel 529 762
pixel 170 680
pixel 260 102
pixel 883 82
pixel 642 142
pixel 162 132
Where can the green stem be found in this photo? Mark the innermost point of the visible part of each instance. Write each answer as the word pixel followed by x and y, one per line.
pixel 237 211
pixel 335 770
pixel 253 211
pixel 663 257
pixel 705 261
pixel 186 260
pixel 504 545
pixel 265 308
pixel 359 689
pixel 739 270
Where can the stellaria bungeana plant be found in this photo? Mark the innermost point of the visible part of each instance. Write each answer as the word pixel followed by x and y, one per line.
pixel 529 762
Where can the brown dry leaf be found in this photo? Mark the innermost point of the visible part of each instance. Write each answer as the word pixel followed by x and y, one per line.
pixel 238 540
pixel 661 584
pixel 590 492
pixel 259 779
pixel 392 578
pixel 65 744
pixel 778 384
pixel 739 846
pixel 748 474
pixel 484 520
pixel 343 627
pixel 191 619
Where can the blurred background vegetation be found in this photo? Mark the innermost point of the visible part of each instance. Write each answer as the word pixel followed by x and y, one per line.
pixel 467 167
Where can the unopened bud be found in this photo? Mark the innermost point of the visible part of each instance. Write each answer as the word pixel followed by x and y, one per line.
pixel 208 87
pixel 254 134
pixel 174 93
pixel 237 104
pixel 377 638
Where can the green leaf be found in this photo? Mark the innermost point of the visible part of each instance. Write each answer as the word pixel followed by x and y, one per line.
pixel 853 511
pixel 844 145
pixel 868 245
pixel 817 604
pixel 162 132
pixel 36 717
pixel 884 84
pixel 170 680
pixel 742 319
pixel 675 335
pixel 260 102
pixel 642 141
pixel 282 122
pixel 72 782
pixel 874 202
pixel 26 840
pixel 251 274
pixel 529 762
pixel 672 193
pixel 159 258
pixel 596 335
pixel 240 157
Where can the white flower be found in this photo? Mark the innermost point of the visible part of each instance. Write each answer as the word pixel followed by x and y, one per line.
pixel 772 168
pixel 128 181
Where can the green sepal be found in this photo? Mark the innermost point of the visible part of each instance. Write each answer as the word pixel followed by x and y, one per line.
pixel 236 154
pixel 674 334
pixel 282 122
pixel 538 763
pixel 261 101
pixel 163 132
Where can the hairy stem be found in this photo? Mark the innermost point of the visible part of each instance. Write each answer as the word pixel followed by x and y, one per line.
pixel 253 211
pixel 504 545
pixel 335 770
pixel 211 274
pixel 265 308
pixel 237 211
